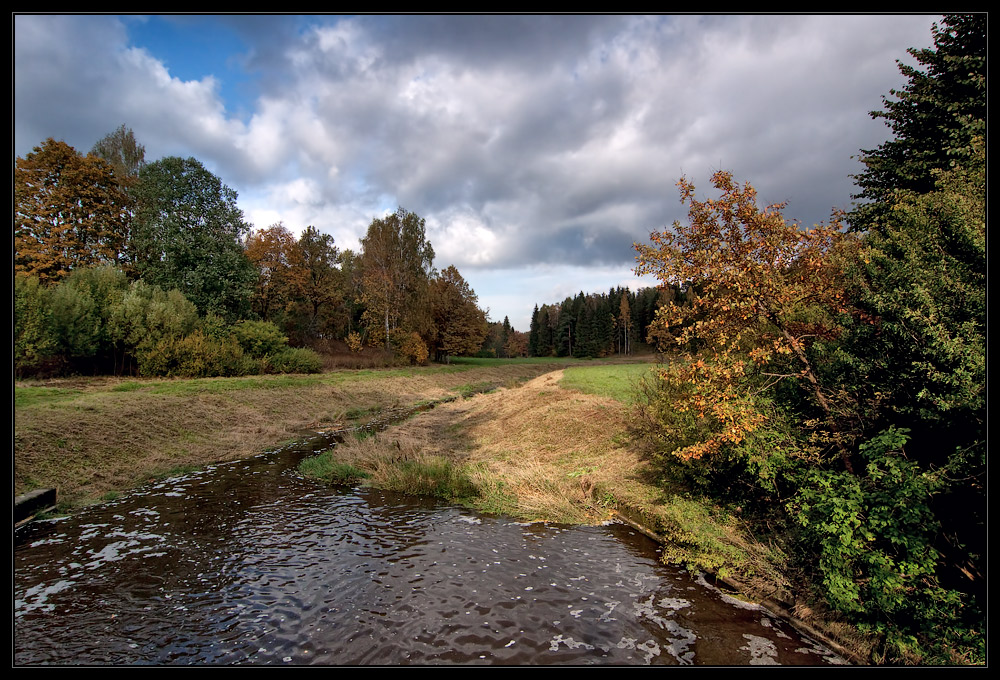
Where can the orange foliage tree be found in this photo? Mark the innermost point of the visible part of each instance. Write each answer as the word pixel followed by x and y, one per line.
pixel 69 212
pixel 275 253
pixel 765 291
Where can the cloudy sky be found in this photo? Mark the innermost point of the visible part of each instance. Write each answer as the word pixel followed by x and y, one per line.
pixel 537 148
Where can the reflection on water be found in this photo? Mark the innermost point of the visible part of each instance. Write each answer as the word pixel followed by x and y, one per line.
pixel 247 563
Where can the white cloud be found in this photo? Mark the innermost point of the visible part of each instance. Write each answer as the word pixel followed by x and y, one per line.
pixel 544 141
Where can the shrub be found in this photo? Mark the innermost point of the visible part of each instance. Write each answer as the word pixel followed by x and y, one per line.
pixel 293 360
pixel 195 356
pixel 410 346
pixel 259 338
pixel 874 537
pixel 33 344
pixel 354 342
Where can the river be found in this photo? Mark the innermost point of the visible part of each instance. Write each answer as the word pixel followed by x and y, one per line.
pixel 250 563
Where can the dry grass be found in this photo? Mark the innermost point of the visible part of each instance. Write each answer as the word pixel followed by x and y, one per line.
pixel 537 452
pixel 87 438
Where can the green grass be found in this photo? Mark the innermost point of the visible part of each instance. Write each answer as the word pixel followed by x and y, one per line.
pixel 616 381
pixel 25 397
pixel 481 361
pixel 323 466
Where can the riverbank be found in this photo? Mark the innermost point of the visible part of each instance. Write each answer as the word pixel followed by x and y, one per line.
pixel 94 437
pixel 533 449
pixel 545 451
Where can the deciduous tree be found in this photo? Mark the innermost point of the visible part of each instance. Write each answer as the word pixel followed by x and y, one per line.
pixel 766 289
pixel 459 322
pixel 321 282
pixel 69 212
pixel 396 263
pixel 188 234
pixel 281 274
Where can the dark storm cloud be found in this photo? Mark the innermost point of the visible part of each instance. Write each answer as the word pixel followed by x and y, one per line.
pixel 529 43
pixel 553 141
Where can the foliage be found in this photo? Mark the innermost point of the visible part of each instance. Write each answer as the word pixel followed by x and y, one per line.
pixel 123 153
pixel 188 234
pixel 922 275
pixel 396 262
pixel 874 534
pixel 593 325
pixel 793 340
pixel 321 282
pixel 766 290
pixel 280 273
pixel 147 314
pixel 460 325
pixel 33 343
pixel 194 356
pixel 259 338
pixel 409 345
pixel 294 360
pixel 69 212
pixel 354 342
pixel 934 118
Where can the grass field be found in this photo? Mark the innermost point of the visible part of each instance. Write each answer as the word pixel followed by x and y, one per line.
pixel 91 436
pixel 616 381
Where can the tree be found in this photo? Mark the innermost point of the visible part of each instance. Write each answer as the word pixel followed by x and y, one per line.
pixel 933 119
pixel 188 234
pixel 68 212
pixel 125 155
pixel 766 290
pixel 625 324
pixel 322 281
pixel 396 263
pixel 275 253
pixel 459 322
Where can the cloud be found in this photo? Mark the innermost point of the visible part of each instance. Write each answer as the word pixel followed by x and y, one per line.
pixel 524 141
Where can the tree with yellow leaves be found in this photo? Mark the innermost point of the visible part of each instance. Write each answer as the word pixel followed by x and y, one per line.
pixel 765 291
pixel 69 212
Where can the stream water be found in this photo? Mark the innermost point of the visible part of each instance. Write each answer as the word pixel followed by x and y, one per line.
pixel 249 563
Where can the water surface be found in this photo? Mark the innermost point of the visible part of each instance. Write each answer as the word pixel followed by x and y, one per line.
pixel 249 563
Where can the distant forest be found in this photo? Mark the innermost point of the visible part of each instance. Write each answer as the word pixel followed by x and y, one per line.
pixel 598 324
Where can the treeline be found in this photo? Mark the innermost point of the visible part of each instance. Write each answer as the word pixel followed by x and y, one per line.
pixel 831 382
pixel 598 324
pixel 105 238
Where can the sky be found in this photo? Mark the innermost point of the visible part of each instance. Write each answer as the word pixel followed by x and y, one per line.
pixel 537 148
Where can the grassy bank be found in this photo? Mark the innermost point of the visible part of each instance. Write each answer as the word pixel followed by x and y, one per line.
pixel 553 449
pixel 549 444
pixel 90 437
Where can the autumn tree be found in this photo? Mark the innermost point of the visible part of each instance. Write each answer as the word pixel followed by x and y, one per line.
pixel 625 325
pixel 767 290
pixel 460 325
pixel 276 255
pixel 188 234
pixel 396 263
pixel 321 283
pixel 69 212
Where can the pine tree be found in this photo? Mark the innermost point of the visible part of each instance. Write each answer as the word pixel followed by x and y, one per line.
pixel 934 118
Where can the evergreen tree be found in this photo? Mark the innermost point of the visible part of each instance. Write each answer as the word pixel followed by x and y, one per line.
pixel 933 119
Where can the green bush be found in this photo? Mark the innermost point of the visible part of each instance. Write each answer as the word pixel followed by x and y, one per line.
pixel 874 536
pixel 259 339
pixel 33 343
pixel 195 356
pixel 293 360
